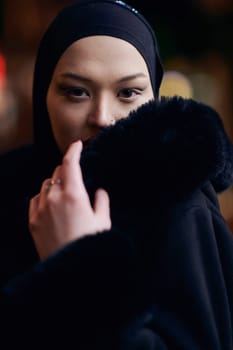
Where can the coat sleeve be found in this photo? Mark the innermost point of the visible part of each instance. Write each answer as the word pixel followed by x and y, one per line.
pixel 86 294
pixel 194 293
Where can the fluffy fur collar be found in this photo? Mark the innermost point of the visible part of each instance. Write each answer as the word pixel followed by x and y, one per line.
pixel 165 148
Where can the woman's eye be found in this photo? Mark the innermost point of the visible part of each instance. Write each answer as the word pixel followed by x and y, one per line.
pixel 129 93
pixel 75 92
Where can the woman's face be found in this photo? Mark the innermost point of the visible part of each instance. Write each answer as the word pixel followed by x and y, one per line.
pixel 97 81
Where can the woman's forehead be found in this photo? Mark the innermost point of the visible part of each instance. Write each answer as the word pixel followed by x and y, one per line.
pixel 101 47
pixel 102 53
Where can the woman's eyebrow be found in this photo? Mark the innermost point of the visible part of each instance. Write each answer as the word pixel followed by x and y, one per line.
pixel 79 77
pixel 131 77
pixel 75 77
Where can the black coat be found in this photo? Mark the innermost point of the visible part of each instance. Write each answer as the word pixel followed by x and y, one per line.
pixel 162 277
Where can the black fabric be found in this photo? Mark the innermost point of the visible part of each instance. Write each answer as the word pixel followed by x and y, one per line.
pixel 185 144
pixel 80 20
pixel 162 277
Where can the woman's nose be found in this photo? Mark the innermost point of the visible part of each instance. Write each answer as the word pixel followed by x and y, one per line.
pixel 101 114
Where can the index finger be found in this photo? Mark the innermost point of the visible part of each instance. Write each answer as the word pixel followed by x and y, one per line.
pixel 71 170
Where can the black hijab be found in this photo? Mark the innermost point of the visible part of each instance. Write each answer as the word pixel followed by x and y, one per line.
pixel 83 19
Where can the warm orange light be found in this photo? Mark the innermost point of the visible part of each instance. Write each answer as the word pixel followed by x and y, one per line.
pixel 176 83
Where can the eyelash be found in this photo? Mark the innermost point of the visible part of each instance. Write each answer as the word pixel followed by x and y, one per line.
pixel 73 91
pixel 78 93
pixel 135 91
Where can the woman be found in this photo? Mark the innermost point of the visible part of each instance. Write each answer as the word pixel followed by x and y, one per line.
pixel 155 271
pixel 127 46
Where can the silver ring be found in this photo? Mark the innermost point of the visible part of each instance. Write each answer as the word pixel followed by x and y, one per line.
pixel 53 182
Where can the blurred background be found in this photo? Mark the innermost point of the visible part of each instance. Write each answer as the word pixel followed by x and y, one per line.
pixel 196 45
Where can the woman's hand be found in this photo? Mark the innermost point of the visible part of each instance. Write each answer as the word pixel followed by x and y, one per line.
pixel 62 211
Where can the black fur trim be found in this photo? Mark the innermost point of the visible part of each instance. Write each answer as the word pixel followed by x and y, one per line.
pixel 164 148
